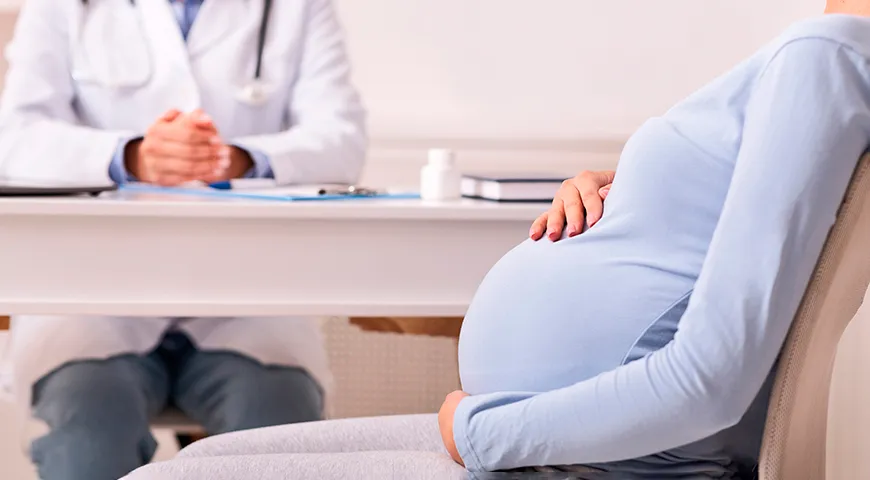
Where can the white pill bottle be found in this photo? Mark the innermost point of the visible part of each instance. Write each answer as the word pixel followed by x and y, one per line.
pixel 440 179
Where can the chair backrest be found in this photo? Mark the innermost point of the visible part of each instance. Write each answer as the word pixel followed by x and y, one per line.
pixel 795 434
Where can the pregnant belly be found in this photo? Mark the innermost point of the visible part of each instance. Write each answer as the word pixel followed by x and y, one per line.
pixel 550 315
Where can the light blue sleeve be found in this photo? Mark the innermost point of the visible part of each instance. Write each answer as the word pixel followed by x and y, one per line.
pixel 117 170
pixel 806 126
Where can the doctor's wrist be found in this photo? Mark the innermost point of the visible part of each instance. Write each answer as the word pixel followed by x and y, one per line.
pixel 240 162
pixel 132 157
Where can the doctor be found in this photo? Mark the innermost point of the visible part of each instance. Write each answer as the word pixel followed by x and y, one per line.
pixel 166 92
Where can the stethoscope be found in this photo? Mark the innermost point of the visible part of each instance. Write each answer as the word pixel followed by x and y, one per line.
pixel 255 92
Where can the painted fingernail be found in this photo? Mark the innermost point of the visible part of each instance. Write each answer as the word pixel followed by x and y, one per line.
pixel 605 191
pixel 572 230
pixel 533 231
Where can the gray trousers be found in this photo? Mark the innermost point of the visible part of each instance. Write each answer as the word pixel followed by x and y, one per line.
pixel 380 448
pixel 383 448
pixel 98 411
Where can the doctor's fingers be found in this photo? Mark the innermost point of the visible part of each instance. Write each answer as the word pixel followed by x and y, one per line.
pixel 196 152
pixel 182 131
pixel 200 119
pixel 170 115
pixel 173 180
pixel 168 167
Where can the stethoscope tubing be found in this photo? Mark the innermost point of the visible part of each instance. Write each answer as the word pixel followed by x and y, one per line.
pixel 261 35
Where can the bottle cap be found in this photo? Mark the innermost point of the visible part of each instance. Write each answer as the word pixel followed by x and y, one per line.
pixel 441 157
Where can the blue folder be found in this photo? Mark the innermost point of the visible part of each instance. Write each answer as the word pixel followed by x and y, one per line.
pixel 236 194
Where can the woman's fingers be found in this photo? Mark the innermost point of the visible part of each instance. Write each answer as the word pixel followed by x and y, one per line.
pixel 590 185
pixel 556 219
pixel 574 207
pixel 538 227
pixel 587 191
pixel 578 199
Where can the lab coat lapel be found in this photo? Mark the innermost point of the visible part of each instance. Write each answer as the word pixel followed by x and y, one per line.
pixel 217 20
pixel 165 35
pixel 173 75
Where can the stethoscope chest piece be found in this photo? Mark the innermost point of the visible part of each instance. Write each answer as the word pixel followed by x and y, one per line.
pixel 254 93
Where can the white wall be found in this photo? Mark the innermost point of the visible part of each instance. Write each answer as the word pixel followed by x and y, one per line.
pixel 545 68
pixel 849 410
pixel 538 85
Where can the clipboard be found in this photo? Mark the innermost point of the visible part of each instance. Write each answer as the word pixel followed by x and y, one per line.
pixel 261 195
pixel 10 187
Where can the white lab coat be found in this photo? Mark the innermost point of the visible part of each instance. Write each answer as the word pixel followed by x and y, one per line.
pixel 131 64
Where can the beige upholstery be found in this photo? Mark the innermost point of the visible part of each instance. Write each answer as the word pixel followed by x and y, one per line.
pixel 796 432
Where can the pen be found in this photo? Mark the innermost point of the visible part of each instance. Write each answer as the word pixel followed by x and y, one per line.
pixel 225 185
pixel 351 190
pixel 242 183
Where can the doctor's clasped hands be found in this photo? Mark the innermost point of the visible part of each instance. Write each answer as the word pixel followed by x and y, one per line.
pixel 183 147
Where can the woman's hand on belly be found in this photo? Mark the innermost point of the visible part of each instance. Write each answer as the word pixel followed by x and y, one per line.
pixel 445 422
pixel 579 197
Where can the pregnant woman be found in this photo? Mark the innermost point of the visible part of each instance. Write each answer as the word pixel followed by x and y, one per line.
pixel 644 344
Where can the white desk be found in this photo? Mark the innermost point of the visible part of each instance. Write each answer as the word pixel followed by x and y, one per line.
pixel 141 254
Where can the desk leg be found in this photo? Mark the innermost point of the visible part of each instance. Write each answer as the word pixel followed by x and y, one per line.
pixel 4 323
pixel 433 326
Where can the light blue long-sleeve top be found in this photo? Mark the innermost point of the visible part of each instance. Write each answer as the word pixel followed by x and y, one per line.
pixel 185 12
pixel 646 343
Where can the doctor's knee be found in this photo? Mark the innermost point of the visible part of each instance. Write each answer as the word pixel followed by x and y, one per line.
pixel 90 391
